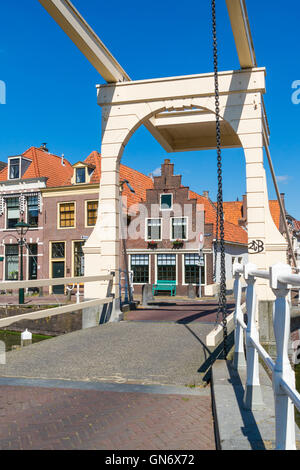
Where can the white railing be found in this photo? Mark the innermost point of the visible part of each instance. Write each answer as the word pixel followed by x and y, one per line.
pixel 49 312
pixel 286 396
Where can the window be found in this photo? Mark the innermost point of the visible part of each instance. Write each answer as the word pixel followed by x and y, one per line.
pixel 58 250
pixel 166 201
pixel 14 168
pixel 166 267
pixel 179 228
pixel 92 212
pixel 191 269
pixel 153 229
pixel 11 262
pixel 32 261
pixel 140 268
pixel 78 259
pixel 33 210
pixel 67 215
pixel 13 211
pixel 80 175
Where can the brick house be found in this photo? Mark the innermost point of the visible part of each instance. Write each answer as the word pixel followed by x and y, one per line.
pixel 173 213
pixel 21 185
pixel 60 203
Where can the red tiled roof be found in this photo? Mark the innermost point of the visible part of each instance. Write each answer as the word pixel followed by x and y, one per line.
pixel 233 232
pixel 137 180
pixel 233 211
pixel 297 224
pixel 48 165
pixel 44 164
pixel 275 212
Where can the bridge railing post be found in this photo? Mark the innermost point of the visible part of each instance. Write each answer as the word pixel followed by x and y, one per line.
pixel 239 360
pixel 284 408
pixel 253 397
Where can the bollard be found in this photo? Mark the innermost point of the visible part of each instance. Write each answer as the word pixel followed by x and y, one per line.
pixel 191 291
pixel 26 338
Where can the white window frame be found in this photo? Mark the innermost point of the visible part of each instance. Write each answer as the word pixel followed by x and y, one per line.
pixel 156 265
pixel 172 198
pixel 183 269
pixel 6 211
pixel 149 267
pixel 9 161
pixel 146 229
pixel 187 228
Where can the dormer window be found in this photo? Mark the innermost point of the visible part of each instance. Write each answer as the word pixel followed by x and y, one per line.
pixel 14 168
pixel 80 175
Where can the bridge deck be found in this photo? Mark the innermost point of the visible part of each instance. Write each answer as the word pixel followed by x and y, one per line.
pixel 128 385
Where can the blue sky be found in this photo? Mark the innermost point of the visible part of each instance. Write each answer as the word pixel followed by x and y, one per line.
pixel 51 94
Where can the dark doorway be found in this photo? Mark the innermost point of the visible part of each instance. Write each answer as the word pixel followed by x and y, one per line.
pixel 58 270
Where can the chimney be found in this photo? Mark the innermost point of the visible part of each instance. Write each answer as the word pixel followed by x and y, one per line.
pixel 206 194
pixel 62 160
pixel 44 147
pixel 282 197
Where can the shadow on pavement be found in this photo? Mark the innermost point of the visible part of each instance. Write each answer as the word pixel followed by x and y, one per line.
pixel 250 429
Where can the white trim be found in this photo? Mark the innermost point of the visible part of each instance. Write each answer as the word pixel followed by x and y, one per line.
pixel 146 229
pixel 149 267
pixel 183 270
pixel 187 228
pixel 176 265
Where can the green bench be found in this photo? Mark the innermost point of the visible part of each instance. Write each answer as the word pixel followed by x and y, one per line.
pixel 164 286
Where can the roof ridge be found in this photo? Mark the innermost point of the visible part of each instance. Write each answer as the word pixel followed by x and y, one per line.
pixel 35 163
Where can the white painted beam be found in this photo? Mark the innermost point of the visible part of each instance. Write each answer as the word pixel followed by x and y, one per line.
pixel 78 30
pixel 189 86
pixel 241 31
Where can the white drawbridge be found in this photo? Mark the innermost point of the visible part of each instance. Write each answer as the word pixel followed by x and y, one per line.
pixel 180 113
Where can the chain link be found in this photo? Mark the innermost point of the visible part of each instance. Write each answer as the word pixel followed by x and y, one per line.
pixel 222 306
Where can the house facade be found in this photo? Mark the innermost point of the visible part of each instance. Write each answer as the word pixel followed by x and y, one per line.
pixel 21 185
pixel 167 247
pixel 162 220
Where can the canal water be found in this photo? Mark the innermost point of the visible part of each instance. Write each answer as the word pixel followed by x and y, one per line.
pixel 12 338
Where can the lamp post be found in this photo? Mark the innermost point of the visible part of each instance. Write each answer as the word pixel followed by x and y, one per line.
pixel 22 229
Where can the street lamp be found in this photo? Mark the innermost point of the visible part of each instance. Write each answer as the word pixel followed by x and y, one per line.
pixel 22 229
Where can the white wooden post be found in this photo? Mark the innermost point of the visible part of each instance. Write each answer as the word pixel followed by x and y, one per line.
pixel 239 355
pixel 253 397
pixel 284 408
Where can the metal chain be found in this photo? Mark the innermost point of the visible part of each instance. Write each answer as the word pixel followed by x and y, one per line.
pixel 222 307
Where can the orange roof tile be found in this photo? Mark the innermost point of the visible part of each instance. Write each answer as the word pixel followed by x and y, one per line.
pixel 137 180
pixel 233 232
pixel 44 164
pixel 48 165
pixel 233 211
pixel 275 212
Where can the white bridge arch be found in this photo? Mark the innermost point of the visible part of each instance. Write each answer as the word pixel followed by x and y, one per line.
pixel 180 114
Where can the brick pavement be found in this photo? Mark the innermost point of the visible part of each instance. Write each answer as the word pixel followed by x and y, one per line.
pixel 180 312
pixel 62 419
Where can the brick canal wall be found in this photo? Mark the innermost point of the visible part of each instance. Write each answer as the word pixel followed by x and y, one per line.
pixel 53 326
